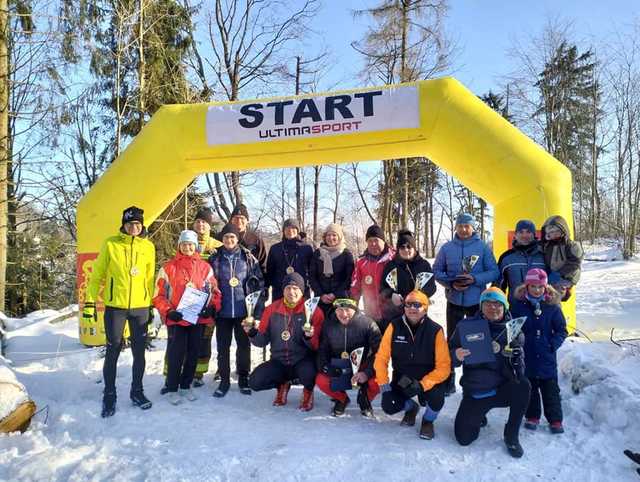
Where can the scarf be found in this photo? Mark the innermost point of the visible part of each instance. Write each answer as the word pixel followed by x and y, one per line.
pixel 328 254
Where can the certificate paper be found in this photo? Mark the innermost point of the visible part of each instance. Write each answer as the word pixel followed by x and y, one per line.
pixel 191 304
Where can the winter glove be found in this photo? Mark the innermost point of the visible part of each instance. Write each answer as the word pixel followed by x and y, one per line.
pixel 208 312
pixel 410 387
pixel 89 312
pixel 174 315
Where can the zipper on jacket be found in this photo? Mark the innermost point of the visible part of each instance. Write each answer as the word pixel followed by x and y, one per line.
pixel 130 276
pixel 111 289
pixel 233 289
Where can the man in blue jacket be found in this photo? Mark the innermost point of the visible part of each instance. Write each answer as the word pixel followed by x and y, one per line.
pixel 524 255
pixel 464 266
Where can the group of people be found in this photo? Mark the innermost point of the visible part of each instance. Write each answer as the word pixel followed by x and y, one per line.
pixel 333 344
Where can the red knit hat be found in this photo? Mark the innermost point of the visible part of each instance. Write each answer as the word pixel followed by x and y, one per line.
pixel 536 276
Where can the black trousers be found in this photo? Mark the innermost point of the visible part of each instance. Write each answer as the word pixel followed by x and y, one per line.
pixel 273 373
pixel 455 313
pixel 182 355
pixel 394 400
pixel 514 395
pixel 114 320
pixel 551 401
pixel 226 329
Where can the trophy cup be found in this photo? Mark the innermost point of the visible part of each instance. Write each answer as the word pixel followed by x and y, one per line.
pixel 392 279
pixel 422 279
pixel 250 301
pixel 469 262
pixel 355 358
pixel 310 306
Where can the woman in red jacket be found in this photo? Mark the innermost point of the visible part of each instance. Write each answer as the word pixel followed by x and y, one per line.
pixel 185 270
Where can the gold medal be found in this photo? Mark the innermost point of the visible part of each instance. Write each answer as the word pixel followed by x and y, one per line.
pixel 285 335
pixel 290 270
pixel 368 279
pixel 496 346
pixel 134 271
pixel 190 285
pixel 344 355
pixel 233 282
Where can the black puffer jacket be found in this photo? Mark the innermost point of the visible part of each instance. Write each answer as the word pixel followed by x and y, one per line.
pixel 361 331
pixel 339 283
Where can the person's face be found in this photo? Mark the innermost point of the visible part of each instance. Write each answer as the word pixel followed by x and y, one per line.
pixel 407 251
pixel 230 241
pixel 331 239
pixel 414 310
pixel 290 232
pixel 292 294
pixel 552 233
pixel 187 248
pixel 375 246
pixel 493 310
pixel 344 314
pixel 536 290
pixel 524 237
pixel 201 227
pixel 464 231
pixel 133 228
pixel 240 222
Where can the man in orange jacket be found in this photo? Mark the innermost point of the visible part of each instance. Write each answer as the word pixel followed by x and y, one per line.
pixel 421 364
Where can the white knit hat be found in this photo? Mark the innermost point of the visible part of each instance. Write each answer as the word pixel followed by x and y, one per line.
pixel 188 236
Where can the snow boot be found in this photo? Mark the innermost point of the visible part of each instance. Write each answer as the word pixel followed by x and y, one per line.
pixel 306 404
pixel 139 400
pixel 188 394
pixel 198 382
pixel 174 398
pixel 556 428
pixel 216 376
pixel 222 389
pixel 281 395
pixel 339 407
pixel 108 404
pixel 531 423
pixel 243 385
pixel 484 422
pixel 164 390
pixel 513 444
pixel 364 403
pixel 451 385
pixel 409 418
pixel 426 430
pixel 635 456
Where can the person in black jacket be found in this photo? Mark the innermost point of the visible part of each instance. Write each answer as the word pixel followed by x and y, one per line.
pixel 500 383
pixel 408 264
pixel 248 239
pixel 331 268
pixel 346 330
pixel 291 255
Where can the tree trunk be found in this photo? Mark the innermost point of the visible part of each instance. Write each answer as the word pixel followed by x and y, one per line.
pixel 141 65
pixel 4 136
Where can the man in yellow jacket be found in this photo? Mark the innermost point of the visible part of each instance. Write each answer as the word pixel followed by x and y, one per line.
pixel 125 270
pixel 421 363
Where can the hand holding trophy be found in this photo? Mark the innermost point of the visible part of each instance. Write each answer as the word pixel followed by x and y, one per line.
pixel 250 301
pixel 310 306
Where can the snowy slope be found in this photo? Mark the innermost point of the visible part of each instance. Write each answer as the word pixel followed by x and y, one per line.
pixel 245 438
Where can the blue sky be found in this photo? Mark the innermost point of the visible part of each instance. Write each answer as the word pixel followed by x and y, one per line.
pixel 484 30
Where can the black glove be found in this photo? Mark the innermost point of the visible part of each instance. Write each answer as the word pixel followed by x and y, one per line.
pixel 151 315
pixel 208 312
pixel 410 387
pixel 174 315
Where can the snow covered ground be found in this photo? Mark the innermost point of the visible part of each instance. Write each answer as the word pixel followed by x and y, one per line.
pixel 245 438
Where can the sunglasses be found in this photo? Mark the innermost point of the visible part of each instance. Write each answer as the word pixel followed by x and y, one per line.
pixel 413 304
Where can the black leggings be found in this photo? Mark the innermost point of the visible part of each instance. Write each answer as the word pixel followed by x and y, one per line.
pixel 550 391
pixel 226 329
pixel 114 320
pixel 471 412
pixel 182 355
pixel 273 373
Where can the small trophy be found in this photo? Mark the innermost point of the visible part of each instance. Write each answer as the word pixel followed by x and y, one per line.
pixel 392 279
pixel 514 327
pixel 250 301
pixel 469 262
pixel 422 279
pixel 355 358
pixel 310 306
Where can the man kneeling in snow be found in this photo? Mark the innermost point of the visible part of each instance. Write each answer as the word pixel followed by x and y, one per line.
pixel 292 341
pixel 500 383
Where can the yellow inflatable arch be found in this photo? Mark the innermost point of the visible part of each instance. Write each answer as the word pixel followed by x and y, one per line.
pixel 439 119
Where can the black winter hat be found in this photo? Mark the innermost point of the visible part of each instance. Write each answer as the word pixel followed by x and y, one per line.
pixel 290 223
pixel 293 279
pixel 374 231
pixel 230 229
pixel 240 210
pixel 206 214
pixel 405 237
pixel 132 213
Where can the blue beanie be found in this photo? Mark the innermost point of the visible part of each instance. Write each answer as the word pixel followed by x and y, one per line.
pixel 526 224
pixel 465 218
pixel 494 294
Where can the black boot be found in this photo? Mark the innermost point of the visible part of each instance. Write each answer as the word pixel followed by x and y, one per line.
pixel 108 404
pixel 484 422
pixel 426 430
pixel 139 400
pixel 340 407
pixel 216 376
pixel 633 456
pixel 513 444
pixel 409 418
pixel 363 402
pixel 451 385
pixel 222 389
pixel 243 385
